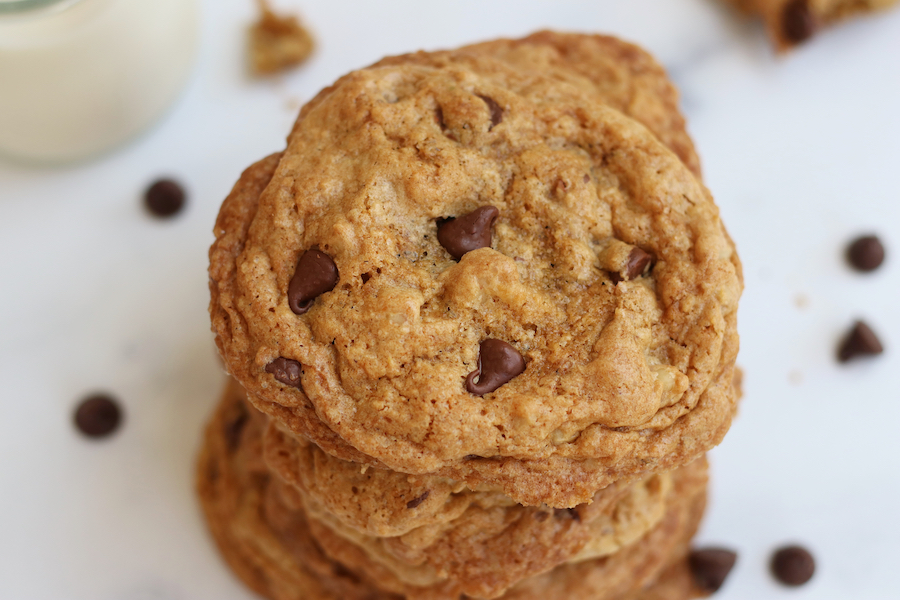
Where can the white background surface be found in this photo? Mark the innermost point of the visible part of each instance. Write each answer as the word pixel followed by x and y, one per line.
pixel 801 152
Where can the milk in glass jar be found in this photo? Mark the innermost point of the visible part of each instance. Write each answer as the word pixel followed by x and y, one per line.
pixel 80 77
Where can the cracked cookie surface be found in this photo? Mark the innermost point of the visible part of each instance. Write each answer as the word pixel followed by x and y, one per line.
pixel 625 372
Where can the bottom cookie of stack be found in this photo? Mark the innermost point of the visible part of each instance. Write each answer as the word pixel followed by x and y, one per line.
pixel 263 529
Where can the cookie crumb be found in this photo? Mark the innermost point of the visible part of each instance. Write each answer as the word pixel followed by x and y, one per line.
pixel 277 42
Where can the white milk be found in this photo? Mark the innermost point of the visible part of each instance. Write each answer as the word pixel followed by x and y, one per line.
pixel 79 77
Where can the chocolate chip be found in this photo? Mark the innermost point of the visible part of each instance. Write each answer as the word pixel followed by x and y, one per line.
pixel 861 341
pixel 710 567
pixel 469 232
pixel 637 263
pixel 866 253
pixel 98 415
pixel 315 274
pixel 417 501
pixel 498 363
pixel 164 198
pixel 793 565
pixel 286 371
pixel 798 23
pixel 234 425
pixel 567 512
pixel 496 111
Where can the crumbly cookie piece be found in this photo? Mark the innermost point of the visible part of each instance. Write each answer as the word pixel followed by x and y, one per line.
pixel 277 42
pixel 792 22
pixel 272 548
pixel 626 371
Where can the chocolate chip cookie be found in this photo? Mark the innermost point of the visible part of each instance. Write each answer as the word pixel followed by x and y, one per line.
pixel 274 546
pixel 585 333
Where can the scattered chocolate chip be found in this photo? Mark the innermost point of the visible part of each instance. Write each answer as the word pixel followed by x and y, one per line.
pixel 637 263
pixel 861 341
pixel 498 363
pixel 469 232
pixel 710 567
pixel 164 198
pixel 234 426
pixel 496 111
pixel 315 274
pixel 439 118
pixel 866 253
pixel 793 565
pixel 587 178
pixel 98 415
pixel 365 277
pixel 417 501
pixel 798 23
pixel 286 371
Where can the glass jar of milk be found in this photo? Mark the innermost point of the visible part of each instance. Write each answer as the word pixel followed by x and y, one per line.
pixel 79 77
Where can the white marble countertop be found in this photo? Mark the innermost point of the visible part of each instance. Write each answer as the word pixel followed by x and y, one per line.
pixel 801 152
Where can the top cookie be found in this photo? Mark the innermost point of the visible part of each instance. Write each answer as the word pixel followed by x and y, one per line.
pixel 464 266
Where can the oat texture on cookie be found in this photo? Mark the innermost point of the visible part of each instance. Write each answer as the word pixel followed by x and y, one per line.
pixel 606 269
pixel 480 317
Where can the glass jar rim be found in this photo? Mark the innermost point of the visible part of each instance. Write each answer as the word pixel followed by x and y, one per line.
pixel 21 6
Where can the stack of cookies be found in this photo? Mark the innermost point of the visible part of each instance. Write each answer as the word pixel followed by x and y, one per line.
pixel 480 316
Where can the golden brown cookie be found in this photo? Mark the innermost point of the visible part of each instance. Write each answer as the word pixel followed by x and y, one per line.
pixel 619 74
pixel 427 530
pixel 282 555
pixel 792 22
pixel 609 279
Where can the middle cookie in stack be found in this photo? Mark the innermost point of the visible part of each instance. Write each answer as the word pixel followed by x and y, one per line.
pixel 475 279
pixel 628 544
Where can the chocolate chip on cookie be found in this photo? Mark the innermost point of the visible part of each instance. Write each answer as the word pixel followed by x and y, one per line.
pixel 286 371
pixel 315 274
pixel 164 198
pixel 496 111
pixel 865 253
pixel 418 500
pixel 793 565
pixel 861 341
pixel 798 23
pixel 498 363
pixel 469 232
pixel 710 567
pixel 637 263
pixel 624 262
pixel 98 415
pixel 570 513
